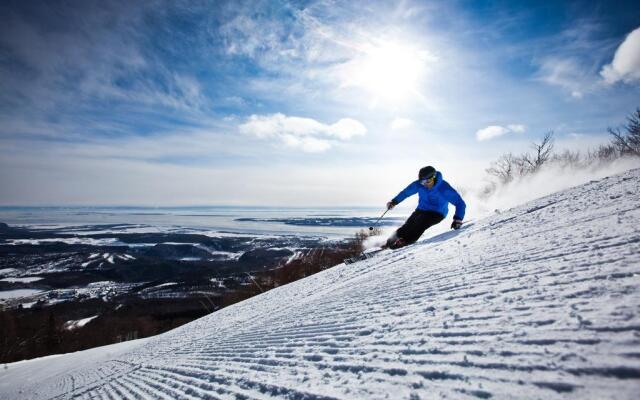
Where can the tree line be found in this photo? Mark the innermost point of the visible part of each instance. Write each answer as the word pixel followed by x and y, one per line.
pixel 625 142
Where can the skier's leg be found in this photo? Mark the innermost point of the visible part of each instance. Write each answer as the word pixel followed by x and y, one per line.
pixel 394 242
pixel 391 241
pixel 423 221
pixel 401 235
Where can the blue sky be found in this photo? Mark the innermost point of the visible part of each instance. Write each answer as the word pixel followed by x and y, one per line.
pixel 296 103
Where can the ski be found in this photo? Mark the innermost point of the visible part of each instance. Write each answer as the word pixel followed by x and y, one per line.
pixel 362 256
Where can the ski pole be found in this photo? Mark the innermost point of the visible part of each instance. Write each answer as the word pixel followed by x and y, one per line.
pixel 376 223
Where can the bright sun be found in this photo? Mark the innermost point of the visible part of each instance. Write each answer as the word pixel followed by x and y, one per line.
pixel 390 71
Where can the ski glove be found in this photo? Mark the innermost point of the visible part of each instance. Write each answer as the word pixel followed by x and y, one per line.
pixel 391 204
pixel 456 224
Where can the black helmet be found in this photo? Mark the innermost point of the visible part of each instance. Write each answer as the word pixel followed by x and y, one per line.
pixel 426 172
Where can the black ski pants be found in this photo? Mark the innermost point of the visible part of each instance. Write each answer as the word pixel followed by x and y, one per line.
pixel 417 223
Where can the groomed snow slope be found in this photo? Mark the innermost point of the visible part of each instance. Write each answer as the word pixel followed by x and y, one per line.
pixel 541 301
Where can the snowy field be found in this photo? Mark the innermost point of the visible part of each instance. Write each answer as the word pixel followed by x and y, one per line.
pixel 18 293
pixel 541 301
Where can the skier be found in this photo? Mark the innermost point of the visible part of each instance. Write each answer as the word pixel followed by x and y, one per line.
pixel 434 195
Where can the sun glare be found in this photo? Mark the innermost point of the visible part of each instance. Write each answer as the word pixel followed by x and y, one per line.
pixel 391 71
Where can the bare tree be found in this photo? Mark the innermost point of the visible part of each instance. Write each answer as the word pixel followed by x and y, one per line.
pixel 604 152
pixel 542 153
pixel 568 158
pixel 503 168
pixel 521 164
pixel 625 141
pixel 628 140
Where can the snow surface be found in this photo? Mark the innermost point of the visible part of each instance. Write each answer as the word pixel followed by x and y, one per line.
pixel 87 241
pixel 29 304
pixel 78 323
pixel 17 293
pixel 163 285
pixel 22 280
pixel 540 301
pixel 5 271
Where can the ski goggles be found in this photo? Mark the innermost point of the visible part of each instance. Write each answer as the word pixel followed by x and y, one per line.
pixel 428 179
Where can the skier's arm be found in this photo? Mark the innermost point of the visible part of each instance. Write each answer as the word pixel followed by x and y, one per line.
pixel 454 198
pixel 408 191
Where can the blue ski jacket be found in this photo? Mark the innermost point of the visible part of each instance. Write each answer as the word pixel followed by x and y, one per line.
pixel 435 199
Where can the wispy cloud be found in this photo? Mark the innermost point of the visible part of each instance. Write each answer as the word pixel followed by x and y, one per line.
pixel 566 73
pixel 571 60
pixel 347 54
pixel 282 40
pixel 89 60
pixel 306 134
pixel 494 131
pixel 626 61
pixel 401 124
pixel 184 146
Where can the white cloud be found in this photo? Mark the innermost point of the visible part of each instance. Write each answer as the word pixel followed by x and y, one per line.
pixel 400 124
pixel 566 73
pixel 306 134
pixel 346 129
pixel 626 61
pixel 493 131
pixel 517 128
pixel 307 144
